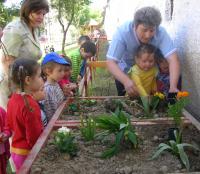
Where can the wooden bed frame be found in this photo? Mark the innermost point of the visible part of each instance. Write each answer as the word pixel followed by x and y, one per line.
pixel 55 124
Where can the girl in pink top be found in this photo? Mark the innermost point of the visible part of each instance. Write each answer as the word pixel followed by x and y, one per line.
pixel 4 143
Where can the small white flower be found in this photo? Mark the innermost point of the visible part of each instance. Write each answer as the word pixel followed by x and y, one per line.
pixel 63 130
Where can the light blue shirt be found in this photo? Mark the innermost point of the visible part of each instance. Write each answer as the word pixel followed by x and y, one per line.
pixel 125 43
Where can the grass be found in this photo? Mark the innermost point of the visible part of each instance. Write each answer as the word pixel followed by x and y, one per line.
pixel 103 83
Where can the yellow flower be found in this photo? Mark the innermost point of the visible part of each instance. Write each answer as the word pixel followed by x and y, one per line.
pixel 160 95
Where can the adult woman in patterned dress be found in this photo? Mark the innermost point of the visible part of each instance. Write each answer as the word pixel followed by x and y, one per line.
pixel 20 40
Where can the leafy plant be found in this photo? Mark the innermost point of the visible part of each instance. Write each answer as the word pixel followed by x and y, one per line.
pixel 150 103
pixel 88 128
pixel 176 148
pixel 118 124
pixel 64 141
pixel 73 107
pixel 89 102
pixel 175 110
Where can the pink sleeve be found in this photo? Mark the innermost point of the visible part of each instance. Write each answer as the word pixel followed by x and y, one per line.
pixel 5 130
pixel 63 82
pixel 4 126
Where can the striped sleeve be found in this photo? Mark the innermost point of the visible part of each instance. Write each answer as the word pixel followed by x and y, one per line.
pixel 53 98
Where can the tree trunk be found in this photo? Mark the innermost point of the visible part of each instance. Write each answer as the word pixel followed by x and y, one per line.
pixel 64 37
pixel 63 41
pixel 104 14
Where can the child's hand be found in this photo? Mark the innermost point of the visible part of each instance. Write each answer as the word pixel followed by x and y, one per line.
pixel 68 89
pixel 73 86
pixel 3 137
pixel 79 78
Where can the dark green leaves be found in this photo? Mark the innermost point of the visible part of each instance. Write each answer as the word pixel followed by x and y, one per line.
pixel 119 125
pixel 65 143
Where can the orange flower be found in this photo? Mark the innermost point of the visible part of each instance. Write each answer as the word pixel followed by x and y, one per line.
pixel 182 94
pixel 185 94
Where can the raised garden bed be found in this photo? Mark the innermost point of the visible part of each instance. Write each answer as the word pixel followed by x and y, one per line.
pixel 152 132
pixel 50 160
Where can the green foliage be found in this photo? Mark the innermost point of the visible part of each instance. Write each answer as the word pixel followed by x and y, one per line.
pixel 67 13
pixel 176 148
pixel 118 124
pixel 73 107
pixel 7 14
pixel 175 110
pixel 64 141
pixel 69 8
pixel 149 103
pixel 88 128
pixel 89 102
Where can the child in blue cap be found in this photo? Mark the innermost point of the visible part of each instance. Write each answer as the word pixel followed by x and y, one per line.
pixel 53 71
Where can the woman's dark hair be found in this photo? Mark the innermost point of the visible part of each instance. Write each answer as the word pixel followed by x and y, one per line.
pixel 145 48
pixel 83 38
pixel 22 68
pixel 29 6
pixel 89 47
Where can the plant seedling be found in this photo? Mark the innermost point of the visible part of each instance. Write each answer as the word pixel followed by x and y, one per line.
pixel 176 148
pixel 118 124
pixel 88 128
pixel 64 141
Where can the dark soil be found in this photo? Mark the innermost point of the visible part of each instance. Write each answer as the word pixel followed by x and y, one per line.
pixel 107 106
pixel 128 161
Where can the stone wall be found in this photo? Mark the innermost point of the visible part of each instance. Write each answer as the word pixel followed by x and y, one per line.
pixel 184 28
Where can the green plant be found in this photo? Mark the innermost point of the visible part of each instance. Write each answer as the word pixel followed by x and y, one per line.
pixel 73 107
pixel 176 148
pixel 175 110
pixel 118 124
pixel 88 128
pixel 150 103
pixel 64 141
pixel 89 102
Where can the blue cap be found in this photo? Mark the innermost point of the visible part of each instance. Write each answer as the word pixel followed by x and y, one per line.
pixel 54 57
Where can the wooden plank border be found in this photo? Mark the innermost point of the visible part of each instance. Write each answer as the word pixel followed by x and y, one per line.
pixel 194 121
pixel 142 122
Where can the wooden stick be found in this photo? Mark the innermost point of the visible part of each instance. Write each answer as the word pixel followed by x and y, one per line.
pixel 142 122
pixel 194 121
pixel 103 97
